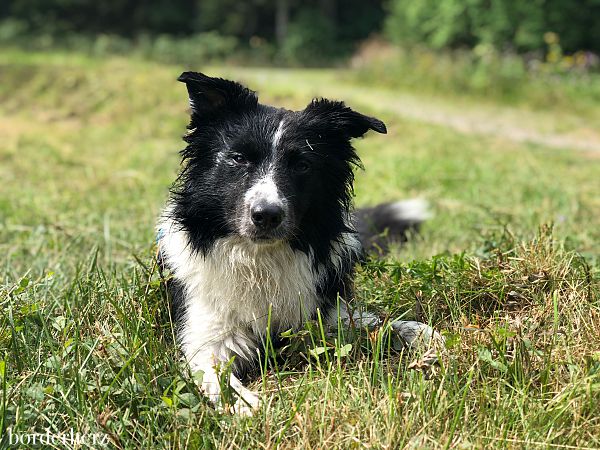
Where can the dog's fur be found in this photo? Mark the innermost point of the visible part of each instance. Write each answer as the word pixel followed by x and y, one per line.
pixel 259 233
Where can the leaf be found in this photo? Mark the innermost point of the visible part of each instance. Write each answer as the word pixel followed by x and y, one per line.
pixel 68 344
pixel 344 350
pixel 287 333
pixel 452 339
pixel 188 399
pixel 184 413
pixel 59 323
pixel 486 356
pixel 53 362
pixel 317 351
pixel 36 392
pixel 198 375
pixel 22 286
pixel 180 385
pixel 505 333
pixel 167 401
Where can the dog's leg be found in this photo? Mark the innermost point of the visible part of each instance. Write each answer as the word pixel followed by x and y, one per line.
pixel 247 401
pixel 208 362
pixel 412 334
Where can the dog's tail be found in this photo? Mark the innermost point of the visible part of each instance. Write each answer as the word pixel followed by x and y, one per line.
pixel 379 225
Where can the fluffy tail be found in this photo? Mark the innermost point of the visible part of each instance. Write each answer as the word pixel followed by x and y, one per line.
pixel 377 226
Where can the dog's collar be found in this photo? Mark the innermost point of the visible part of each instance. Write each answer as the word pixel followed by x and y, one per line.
pixel 159 235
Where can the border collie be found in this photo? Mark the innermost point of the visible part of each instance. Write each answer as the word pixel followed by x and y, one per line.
pixel 259 233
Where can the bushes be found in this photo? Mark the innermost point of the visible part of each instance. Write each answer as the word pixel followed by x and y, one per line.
pixel 553 81
pixel 318 29
pixel 504 24
pixel 189 50
pixel 195 49
pixel 310 40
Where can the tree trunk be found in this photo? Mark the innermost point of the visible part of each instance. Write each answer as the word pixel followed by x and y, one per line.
pixel 282 16
pixel 329 9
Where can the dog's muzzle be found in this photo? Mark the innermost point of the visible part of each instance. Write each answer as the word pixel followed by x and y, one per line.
pixel 266 213
pixel 266 216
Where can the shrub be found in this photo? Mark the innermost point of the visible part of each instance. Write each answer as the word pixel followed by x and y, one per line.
pixel 557 81
pixel 194 49
pixel 505 24
pixel 311 40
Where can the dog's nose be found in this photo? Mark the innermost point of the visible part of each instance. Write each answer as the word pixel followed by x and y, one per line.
pixel 267 216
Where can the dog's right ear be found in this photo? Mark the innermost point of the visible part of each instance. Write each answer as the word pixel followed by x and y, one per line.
pixel 336 118
pixel 212 97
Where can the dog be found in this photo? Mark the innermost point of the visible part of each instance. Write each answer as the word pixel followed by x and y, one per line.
pixel 259 234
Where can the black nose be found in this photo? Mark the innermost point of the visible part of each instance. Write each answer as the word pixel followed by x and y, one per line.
pixel 266 216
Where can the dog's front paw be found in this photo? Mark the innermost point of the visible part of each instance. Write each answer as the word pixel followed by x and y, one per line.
pixel 429 344
pixel 246 403
pixel 415 335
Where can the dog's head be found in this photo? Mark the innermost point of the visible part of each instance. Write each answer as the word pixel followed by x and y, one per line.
pixel 262 173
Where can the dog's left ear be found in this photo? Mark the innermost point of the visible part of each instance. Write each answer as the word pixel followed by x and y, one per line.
pixel 210 97
pixel 339 118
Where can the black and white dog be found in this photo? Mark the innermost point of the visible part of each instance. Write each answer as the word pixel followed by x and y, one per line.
pixel 259 232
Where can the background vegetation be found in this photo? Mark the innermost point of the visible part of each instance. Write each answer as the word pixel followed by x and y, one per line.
pixel 540 53
pixel 492 110
pixel 317 30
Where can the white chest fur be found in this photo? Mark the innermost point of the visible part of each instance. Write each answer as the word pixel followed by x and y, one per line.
pixel 236 287
pixel 243 281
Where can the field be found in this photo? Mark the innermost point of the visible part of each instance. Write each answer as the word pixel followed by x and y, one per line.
pixel 507 268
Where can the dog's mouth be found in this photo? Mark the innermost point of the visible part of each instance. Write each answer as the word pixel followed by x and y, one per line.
pixel 258 235
pixel 265 242
pixel 266 237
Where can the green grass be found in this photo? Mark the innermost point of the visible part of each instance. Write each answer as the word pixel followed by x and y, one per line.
pixel 508 268
pixel 555 83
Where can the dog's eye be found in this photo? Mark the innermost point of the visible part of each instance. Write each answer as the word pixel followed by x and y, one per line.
pixel 302 167
pixel 239 159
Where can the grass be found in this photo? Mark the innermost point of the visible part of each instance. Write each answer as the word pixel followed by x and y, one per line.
pixel 556 82
pixel 508 268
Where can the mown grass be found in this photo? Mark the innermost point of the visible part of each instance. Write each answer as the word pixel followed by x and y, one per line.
pixel 507 268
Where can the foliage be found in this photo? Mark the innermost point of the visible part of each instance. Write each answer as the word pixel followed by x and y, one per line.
pixel 310 40
pixel 201 47
pixel 318 30
pixel 234 18
pixel 504 24
pixel 552 81
pixel 167 48
pixel 123 17
pixel 310 33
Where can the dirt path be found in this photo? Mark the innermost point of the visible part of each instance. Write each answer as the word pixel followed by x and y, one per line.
pixel 560 130
pixel 565 132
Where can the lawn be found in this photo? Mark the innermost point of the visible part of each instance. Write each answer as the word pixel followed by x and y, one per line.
pixel 507 268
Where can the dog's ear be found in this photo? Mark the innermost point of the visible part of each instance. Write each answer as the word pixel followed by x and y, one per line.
pixel 338 118
pixel 211 97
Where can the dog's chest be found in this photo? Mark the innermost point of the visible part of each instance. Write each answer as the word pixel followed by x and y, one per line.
pixel 258 286
pixel 246 286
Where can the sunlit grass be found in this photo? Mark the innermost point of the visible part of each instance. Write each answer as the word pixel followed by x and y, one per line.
pixel 507 268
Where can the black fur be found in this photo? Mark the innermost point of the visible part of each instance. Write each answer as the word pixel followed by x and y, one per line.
pixel 378 225
pixel 227 120
pixel 234 142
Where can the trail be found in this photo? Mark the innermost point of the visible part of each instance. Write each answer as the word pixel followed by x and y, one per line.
pixel 560 130
pixel 497 121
